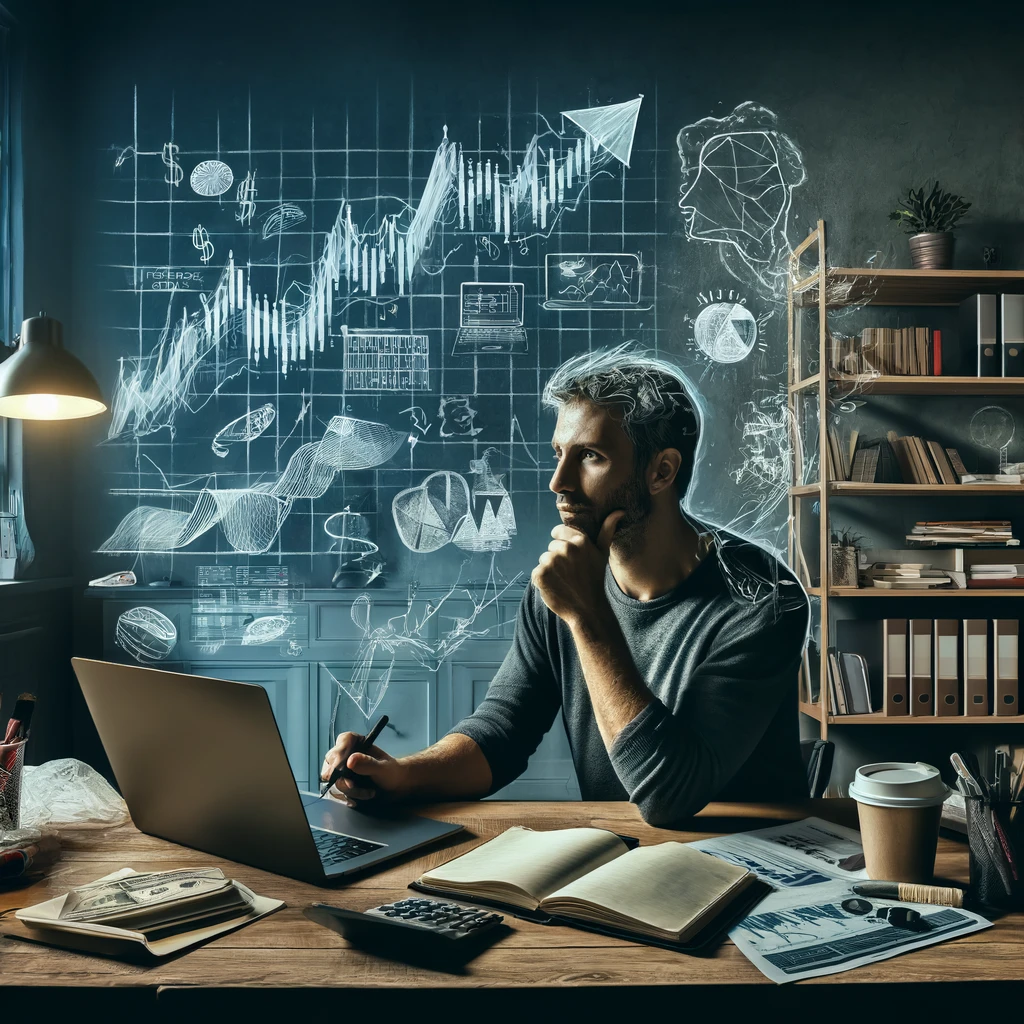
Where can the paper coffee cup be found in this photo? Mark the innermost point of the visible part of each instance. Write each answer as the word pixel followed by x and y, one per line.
pixel 899 804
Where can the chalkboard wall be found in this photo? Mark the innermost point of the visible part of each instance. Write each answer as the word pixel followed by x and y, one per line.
pixel 272 202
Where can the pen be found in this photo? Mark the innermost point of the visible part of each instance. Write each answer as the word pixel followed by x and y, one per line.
pixel 935 894
pixel 341 772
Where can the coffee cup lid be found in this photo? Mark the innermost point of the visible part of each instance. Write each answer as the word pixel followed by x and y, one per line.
pixel 899 784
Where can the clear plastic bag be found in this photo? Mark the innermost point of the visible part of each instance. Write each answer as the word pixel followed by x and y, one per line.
pixel 69 792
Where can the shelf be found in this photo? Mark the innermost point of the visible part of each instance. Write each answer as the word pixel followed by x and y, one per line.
pixel 813 710
pixel 848 285
pixel 926 592
pixel 808 383
pixel 848 487
pixel 877 718
pixel 805 490
pixel 868 384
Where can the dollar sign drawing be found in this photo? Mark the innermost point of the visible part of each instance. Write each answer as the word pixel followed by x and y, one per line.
pixel 201 240
pixel 246 194
pixel 174 172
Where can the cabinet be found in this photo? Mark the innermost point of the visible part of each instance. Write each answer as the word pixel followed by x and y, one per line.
pixel 813 391
pixel 421 704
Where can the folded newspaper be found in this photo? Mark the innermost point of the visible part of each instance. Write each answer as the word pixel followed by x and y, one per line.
pixel 156 913
pixel 802 929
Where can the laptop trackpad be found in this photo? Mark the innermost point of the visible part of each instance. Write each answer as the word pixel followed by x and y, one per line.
pixel 335 816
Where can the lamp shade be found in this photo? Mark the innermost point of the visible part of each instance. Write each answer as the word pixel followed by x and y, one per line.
pixel 42 381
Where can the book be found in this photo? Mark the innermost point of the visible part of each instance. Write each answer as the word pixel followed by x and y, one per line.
pixel 991 478
pixel 109 916
pixel 865 465
pixel 930 474
pixel 837 686
pixel 978 337
pixel 854 669
pixel 1011 334
pixel 667 894
pixel 942 463
pixel 937 353
pixel 958 464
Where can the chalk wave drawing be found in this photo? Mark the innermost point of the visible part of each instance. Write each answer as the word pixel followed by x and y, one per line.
pixel 211 178
pixel 251 517
pixel 739 172
pixel 146 634
pixel 442 510
pixel 245 428
pixel 281 219
pixel 366 686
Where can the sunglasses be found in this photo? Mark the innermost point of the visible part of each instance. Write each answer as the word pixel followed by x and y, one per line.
pixel 899 917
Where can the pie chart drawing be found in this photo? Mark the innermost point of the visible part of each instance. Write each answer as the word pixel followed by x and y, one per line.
pixel 725 331
pixel 428 516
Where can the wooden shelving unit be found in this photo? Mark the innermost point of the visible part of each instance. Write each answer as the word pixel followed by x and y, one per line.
pixel 814 284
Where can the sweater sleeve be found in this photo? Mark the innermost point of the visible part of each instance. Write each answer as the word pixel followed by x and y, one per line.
pixel 522 699
pixel 674 761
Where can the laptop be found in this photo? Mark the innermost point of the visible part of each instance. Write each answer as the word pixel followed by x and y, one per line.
pixel 490 318
pixel 201 762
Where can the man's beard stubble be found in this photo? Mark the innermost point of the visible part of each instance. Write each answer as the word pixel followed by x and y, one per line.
pixel 635 499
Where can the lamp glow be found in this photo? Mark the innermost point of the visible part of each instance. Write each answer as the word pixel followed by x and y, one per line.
pixel 43 381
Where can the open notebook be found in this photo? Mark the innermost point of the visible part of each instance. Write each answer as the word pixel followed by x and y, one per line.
pixel 669 894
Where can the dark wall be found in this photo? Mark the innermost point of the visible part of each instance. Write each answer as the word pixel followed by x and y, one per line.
pixel 875 102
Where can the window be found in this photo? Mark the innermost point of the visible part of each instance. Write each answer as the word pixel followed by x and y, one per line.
pixel 9 224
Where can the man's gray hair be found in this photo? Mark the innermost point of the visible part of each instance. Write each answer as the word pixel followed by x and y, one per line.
pixel 649 395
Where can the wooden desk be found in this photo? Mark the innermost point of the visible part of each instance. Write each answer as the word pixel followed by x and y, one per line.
pixel 284 962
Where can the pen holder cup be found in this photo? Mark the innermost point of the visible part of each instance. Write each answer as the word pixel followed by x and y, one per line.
pixel 995 833
pixel 12 761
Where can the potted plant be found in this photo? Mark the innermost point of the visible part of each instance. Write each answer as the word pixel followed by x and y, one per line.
pixel 929 220
pixel 845 554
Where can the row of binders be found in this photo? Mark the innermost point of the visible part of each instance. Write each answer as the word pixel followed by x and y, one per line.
pixel 948 667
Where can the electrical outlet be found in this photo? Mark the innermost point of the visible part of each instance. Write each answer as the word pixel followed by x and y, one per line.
pixel 989 255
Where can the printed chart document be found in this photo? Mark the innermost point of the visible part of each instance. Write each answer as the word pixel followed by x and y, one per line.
pixel 806 852
pixel 804 932
pixel 801 930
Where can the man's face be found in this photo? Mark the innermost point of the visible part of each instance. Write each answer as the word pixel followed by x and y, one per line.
pixel 597 474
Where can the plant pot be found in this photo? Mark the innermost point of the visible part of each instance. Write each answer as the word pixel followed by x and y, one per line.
pixel 844 566
pixel 932 250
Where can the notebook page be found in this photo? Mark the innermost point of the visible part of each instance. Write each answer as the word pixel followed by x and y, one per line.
pixel 665 887
pixel 535 862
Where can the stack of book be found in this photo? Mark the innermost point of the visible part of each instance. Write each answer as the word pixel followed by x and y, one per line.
pixel 901 351
pixel 971 531
pixel 904 576
pixel 990 478
pixel 996 576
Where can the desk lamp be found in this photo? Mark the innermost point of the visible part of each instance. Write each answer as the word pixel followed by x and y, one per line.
pixel 43 381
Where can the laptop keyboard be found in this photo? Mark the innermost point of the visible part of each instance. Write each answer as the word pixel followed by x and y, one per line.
pixel 334 848
pixel 504 338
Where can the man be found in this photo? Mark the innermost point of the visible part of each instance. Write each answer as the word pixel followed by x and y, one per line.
pixel 672 655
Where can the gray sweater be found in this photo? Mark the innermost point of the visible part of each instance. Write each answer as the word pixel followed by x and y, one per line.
pixel 719 653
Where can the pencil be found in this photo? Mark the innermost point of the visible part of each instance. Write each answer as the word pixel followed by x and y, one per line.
pixel 936 894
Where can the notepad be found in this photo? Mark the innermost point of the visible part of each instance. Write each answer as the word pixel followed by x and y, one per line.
pixel 590 877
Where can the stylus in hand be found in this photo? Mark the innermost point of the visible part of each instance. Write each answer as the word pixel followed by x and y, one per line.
pixel 341 772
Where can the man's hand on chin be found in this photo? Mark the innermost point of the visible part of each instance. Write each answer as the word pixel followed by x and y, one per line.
pixel 570 574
